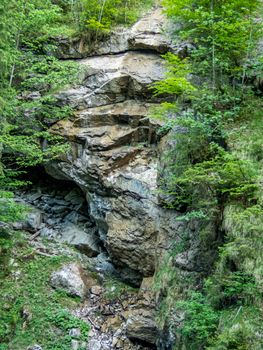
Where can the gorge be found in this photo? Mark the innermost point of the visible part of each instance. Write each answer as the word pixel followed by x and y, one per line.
pixel 137 231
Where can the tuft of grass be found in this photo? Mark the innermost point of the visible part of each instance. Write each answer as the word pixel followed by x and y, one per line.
pixel 114 288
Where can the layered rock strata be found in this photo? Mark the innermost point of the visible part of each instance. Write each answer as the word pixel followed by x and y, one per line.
pixel 114 156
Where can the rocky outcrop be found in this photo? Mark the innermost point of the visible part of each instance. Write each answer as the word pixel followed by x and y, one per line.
pixel 149 33
pixel 114 153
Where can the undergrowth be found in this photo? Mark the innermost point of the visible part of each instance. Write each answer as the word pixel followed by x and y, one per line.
pixel 31 311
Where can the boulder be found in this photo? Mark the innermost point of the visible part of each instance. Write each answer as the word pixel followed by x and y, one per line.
pixel 84 240
pixel 141 326
pixel 71 278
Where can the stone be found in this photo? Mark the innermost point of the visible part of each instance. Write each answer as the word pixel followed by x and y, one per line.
pixel 34 219
pixel 147 34
pixel 116 150
pixel 75 344
pixel 94 344
pixel 74 197
pixel 34 347
pixel 84 240
pixel 75 332
pixel 59 209
pixel 71 278
pixel 141 326
pixel 96 290
pixel 47 232
pixel 74 217
pixel 34 196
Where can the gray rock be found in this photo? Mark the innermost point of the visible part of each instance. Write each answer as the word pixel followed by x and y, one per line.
pixel 71 278
pixel 75 344
pixel 58 209
pixel 85 241
pixel 141 326
pixel 34 196
pixel 32 222
pixel 75 218
pixel 34 347
pixel 114 156
pixel 47 232
pixel 34 219
pixel 75 197
pixel 149 33
pixel 75 332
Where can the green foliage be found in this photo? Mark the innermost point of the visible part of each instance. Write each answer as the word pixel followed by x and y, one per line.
pixel 115 288
pixel 25 286
pixel 101 16
pixel 24 119
pixel 9 210
pixel 201 319
pixel 176 82
pixel 239 328
pixel 224 33
pixel 213 174
pixel 221 179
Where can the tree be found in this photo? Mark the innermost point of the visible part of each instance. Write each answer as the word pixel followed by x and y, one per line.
pixel 223 32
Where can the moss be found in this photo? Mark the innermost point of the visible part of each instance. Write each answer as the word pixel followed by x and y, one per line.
pixel 31 311
pixel 115 288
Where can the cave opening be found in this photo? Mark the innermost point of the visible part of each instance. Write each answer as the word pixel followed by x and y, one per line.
pixel 59 211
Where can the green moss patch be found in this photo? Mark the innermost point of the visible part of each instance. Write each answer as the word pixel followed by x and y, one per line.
pixel 31 311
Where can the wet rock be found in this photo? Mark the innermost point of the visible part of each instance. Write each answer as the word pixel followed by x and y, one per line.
pixel 71 278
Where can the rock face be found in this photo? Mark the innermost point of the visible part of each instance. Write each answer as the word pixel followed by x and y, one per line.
pixel 114 153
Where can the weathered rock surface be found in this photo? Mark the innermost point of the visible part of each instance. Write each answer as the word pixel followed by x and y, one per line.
pixel 114 156
pixel 72 279
pixel 114 153
pixel 114 313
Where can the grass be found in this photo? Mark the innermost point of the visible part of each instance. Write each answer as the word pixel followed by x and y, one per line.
pixel 31 311
pixel 114 289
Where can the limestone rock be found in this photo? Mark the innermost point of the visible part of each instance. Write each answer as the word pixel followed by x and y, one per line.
pixel 71 278
pixel 114 147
